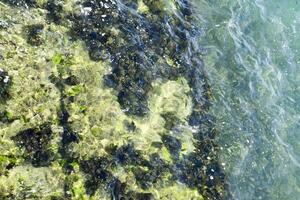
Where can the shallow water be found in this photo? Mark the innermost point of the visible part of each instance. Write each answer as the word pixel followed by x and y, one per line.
pixel 252 59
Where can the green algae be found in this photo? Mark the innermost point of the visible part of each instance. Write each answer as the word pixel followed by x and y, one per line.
pixel 27 182
pixel 58 80
pixel 171 97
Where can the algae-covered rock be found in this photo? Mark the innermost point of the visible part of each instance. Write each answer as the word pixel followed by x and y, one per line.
pixel 104 100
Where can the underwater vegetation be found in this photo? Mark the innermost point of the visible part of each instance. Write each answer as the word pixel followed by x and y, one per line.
pixel 23 3
pixel 34 34
pixel 112 103
pixel 5 83
pixel 36 145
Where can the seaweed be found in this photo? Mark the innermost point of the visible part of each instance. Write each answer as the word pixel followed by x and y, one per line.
pixel 36 142
pixel 129 41
pixel 170 120
pixel 132 50
pixel 5 85
pixel 71 80
pixel 173 144
pixel 98 172
pixel 156 169
pixel 68 136
pixel 33 34
pixel 7 162
pixel 20 3
pixel 144 48
pixel 125 155
pixel 130 126
pixel 54 9
pixel 119 193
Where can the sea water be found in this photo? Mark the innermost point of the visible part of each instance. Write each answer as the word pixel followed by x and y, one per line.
pixel 251 55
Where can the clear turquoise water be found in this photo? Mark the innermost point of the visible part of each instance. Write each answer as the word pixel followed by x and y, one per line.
pixel 252 55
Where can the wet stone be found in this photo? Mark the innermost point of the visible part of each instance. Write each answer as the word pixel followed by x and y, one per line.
pixel 36 142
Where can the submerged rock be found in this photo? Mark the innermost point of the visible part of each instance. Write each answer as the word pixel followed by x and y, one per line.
pixel 121 94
